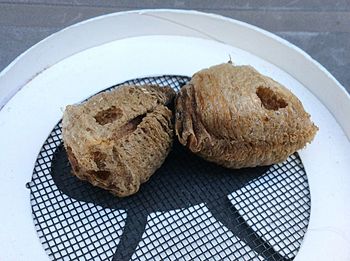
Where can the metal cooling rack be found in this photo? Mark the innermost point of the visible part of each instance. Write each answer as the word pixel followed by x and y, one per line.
pixel 189 210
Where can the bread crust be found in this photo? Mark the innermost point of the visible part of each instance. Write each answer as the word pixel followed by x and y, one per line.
pixel 236 117
pixel 116 140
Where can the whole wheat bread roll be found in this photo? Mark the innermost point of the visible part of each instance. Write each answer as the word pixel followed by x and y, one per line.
pixel 236 117
pixel 116 140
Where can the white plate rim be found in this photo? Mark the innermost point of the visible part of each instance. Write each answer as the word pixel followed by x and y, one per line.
pixel 340 110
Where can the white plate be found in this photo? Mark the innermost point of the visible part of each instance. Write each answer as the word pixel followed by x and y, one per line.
pixel 87 57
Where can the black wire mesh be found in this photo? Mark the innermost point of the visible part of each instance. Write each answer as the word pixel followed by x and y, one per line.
pixel 189 210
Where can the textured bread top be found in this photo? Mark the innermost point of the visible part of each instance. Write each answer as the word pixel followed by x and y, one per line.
pixel 117 139
pixel 243 108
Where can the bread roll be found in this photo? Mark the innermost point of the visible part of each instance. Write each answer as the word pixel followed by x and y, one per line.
pixel 236 117
pixel 116 140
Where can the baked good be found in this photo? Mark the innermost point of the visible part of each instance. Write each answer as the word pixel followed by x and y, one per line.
pixel 236 117
pixel 116 140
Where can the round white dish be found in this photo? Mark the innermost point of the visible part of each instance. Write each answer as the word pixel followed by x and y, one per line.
pixel 90 56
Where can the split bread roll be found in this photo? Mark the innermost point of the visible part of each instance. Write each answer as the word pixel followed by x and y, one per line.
pixel 236 117
pixel 116 140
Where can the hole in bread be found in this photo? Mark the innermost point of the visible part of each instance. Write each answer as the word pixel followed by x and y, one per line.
pixel 100 174
pixel 145 130
pixel 99 158
pixel 129 127
pixel 108 116
pixel 72 159
pixel 270 100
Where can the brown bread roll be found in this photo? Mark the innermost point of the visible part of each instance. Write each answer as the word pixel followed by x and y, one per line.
pixel 236 117
pixel 116 140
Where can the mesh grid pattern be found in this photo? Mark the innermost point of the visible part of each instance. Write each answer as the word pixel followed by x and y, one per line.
pixel 189 210
pixel 279 205
pixel 68 229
